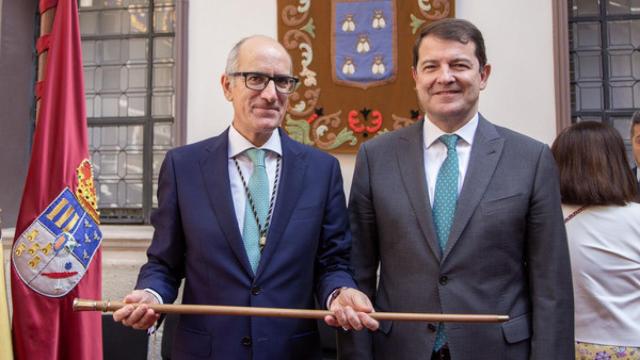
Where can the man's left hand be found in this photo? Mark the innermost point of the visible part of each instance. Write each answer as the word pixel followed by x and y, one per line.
pixel 351 310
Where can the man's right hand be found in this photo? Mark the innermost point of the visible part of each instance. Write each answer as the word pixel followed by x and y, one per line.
pixel 140 317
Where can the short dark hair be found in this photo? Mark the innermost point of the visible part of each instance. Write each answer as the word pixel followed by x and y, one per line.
pixel 593 167
pixel 635 120
pixel 458 30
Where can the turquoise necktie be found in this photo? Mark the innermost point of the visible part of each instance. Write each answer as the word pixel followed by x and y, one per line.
pixel 259 191
pixel 444 207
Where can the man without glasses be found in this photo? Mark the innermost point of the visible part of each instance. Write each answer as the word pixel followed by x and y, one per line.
pixel 459 216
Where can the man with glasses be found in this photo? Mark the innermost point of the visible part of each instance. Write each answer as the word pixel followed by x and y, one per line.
pixel 250 218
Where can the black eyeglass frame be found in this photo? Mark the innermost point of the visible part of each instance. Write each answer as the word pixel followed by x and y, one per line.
pixel 274 78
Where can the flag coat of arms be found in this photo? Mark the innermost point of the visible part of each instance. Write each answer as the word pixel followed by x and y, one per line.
pixel 53 253
pixel 363 45
pixel 56 254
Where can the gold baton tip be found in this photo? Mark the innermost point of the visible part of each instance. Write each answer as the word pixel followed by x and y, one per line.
pixel 84 305
pixel 81 305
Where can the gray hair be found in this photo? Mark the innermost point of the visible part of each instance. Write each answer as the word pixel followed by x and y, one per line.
pixel 234 53
pixel 232 58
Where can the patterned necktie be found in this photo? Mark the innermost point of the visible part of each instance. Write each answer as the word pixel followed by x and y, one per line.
pixel 444 207
pixel 259 190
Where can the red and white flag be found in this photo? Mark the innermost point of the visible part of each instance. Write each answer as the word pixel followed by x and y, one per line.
pixel 56 253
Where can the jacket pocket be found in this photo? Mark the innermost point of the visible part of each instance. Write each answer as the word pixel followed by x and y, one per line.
pixel 517 329
pixel 193 342
pixel 500 203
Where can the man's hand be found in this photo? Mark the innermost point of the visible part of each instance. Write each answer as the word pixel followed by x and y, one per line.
pixel 350 311
pixel 141 317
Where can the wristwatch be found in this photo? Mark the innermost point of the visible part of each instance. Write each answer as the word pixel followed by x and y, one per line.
pixel 335 294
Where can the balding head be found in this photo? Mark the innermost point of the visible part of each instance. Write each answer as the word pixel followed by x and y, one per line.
pixel 251 41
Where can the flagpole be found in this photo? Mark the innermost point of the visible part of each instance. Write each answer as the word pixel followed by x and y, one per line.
pixel 46 23
pixel 109 306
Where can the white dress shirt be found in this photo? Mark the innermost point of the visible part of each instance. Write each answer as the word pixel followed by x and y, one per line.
pixel 435 152
pixel 604 245
pixel 237 145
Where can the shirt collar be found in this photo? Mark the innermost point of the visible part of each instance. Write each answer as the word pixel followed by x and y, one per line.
pixel 238 143
pixel 432 133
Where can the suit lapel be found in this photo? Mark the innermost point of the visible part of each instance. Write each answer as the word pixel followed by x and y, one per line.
pixel 215 172
pixel 289 189
pixel 485 153
pixel 410 155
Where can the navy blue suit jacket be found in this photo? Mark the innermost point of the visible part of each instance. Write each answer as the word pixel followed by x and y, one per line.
pixel 197 238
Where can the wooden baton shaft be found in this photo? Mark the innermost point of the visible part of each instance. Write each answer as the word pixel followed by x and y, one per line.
pixel 109 306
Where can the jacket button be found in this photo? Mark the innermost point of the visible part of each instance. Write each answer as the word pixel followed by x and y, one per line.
pixel 256 290
pixel 432 327
pixel 443 280
pixel 246 341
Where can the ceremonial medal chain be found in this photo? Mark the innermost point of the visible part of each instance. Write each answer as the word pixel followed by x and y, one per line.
pixel 261 229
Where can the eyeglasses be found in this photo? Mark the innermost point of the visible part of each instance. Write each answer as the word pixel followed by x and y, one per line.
pixel 258 81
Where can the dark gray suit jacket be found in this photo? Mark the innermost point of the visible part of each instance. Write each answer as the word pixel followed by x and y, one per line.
pixel 506 254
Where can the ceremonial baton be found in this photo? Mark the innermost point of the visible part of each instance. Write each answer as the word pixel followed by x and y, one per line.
pixel 109 306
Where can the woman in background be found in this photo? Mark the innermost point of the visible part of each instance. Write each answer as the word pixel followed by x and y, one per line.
pixel 603 229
